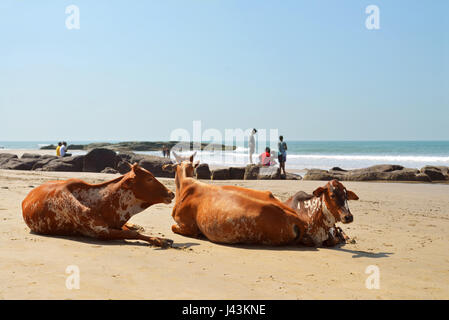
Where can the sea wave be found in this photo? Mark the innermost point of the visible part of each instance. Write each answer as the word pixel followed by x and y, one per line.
pixel 371 157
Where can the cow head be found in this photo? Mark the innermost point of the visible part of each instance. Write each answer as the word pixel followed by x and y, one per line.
pixel 336 198
pixel 185 168
pixel 146 187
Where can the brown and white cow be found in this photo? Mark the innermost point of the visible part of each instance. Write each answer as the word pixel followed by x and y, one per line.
pixel 327 206
pixel 230 214
pixel 74 207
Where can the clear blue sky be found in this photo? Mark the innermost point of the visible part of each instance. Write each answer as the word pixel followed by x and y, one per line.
pixel 138 69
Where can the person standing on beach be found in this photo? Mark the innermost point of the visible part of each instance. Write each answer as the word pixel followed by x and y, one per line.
pixel 58 149
pixel 282 156
pixel 252 145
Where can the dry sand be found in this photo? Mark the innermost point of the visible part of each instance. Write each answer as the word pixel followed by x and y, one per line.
pixel 400 227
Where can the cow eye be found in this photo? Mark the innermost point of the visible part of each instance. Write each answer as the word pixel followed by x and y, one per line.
pixel 333 196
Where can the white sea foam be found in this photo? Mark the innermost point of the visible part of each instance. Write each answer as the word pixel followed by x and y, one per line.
pixel 323 161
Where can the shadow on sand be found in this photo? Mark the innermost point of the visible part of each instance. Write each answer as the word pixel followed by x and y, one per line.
pixel 361 254
pixel 97 242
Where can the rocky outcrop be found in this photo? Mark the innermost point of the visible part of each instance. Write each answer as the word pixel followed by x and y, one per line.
pixel 258 172
pixel 142 146
pixel 31 156
pixel 220 174
pixel 154 165
pixel 43 161
pixel 291 176
pixel 5 157
pixel 109 170
pixel 19 164
pixel 379 173
pixel 98 159
pixel 67 164
pixel 237 173
pixel 203 171
pixel 436 173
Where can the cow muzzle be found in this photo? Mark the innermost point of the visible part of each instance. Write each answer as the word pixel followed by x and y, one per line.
pixel 169 198
pixel 348 218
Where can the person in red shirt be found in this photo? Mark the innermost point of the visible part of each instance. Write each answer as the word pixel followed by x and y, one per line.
pixel 265 157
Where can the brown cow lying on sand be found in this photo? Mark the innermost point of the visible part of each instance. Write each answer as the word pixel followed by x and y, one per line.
pixel 327 205
pixel 230 214
pixel 74 207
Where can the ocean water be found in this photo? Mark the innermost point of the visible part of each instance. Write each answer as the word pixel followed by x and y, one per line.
pixel 313 154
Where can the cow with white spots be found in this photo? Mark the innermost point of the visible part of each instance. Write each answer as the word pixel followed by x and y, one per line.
pixel 74 207
pixel 231 214
pixel 327 206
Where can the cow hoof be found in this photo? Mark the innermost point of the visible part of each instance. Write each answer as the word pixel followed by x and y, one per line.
pixel 165 243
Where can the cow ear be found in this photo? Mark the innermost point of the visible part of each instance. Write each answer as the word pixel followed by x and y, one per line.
pixel 177 157
pixel 192 156
pixel 318 191
pixel 129 181
pixel 351 195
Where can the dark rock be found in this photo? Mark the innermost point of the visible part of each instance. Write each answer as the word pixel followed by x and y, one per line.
pixel 237 173
pixel 58 166
pixel 42 162
pixel 380 168
pixel 8 156
pixel 5 157
pixel 154 165
pixel 98 159
pixel 338 169
pixel 374 173
pixel 269 173
pixel 67 164
pixel 220 174
pixel 251 172
pixel 402 175
pixel 318 174
pixel 291 176
pixel 123 167
pixel 31 156
pixel 48 147
pixel 109 170
pixel 130 157
pixel 434 173
pixel 203 171
pixel 258 172
pixel 47 156
pixel 422 177
pixel 16 164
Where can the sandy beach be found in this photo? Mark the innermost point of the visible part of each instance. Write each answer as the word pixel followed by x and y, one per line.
pixel 399 227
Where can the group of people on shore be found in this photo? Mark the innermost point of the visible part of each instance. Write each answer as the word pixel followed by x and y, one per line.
pixel 165 151
pixel 61 150
pixel 267 158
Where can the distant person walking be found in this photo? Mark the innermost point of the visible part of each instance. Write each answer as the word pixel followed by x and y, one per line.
pixel 58 149
pixel 282 155
pixel 63 150
pixel 252 145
